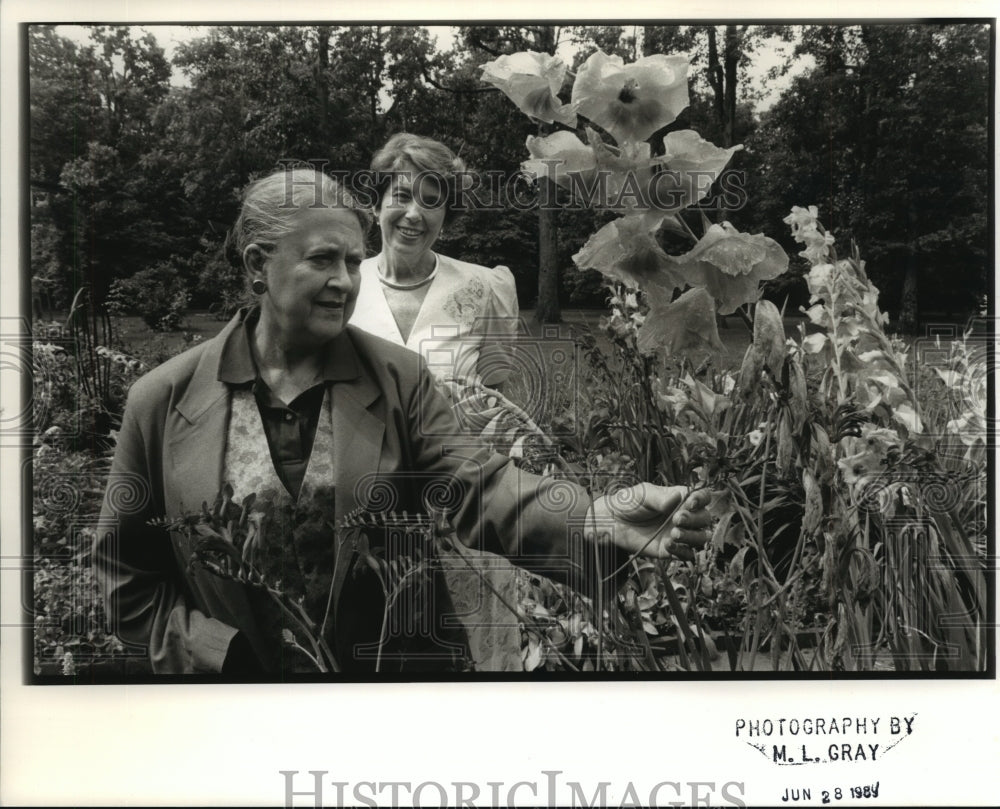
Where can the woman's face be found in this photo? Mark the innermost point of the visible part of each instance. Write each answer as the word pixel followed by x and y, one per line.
pixel 313 276
pixel 412 212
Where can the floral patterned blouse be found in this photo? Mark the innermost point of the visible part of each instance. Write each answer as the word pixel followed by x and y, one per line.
pixel 465 323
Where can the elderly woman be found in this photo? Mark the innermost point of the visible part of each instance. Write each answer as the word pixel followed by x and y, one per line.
pixel 457 315
pixel 291 403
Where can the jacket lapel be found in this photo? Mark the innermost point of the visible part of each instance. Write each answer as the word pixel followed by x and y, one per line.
pixel 357 440
pixel 195 435
pixel 372 309
pixel 431 321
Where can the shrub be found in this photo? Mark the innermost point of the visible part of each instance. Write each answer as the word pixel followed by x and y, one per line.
pixel 74 438
pixel 70 629
pixel 222 285
pixel 157 294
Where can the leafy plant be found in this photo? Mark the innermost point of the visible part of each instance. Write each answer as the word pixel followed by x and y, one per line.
pixel 157 294
pixel 222 285
pixel 227 539
pixel 815 454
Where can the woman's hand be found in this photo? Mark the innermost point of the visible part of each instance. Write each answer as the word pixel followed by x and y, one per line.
pixel 656 521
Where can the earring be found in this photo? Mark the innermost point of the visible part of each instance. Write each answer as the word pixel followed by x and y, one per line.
pixel 258 286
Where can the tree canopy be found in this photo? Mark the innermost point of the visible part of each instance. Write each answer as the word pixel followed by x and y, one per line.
pixel 888 134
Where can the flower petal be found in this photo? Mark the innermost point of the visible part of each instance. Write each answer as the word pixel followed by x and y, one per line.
pixel 558 155
pixel 627 251
pixel 675 326
pixel 631 102
pixel 532 80
pixel 730 265
pixel 693 165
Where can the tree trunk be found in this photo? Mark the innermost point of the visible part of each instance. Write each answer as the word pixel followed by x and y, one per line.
pixel 908 309
pixel 375 77
pixel 730 60
pixel 722 77
pixel 322 89
pixel 908 300
pixel 547 309
pixel 716 76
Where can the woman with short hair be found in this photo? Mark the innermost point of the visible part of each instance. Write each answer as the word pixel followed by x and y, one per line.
pixel 459 316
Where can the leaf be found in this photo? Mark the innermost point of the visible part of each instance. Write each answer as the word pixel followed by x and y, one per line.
pixel 905 415
pixel 798 401
pixel 517 448
pixel 686 323
pixel 813 504
pixel 711 649
pixel 950 378
pixel 786 446
pixel 707 401
pixel 206 530
pixel 814 343
pixel 750 372
pixel 531 655
pixel 737 562
pixel 209 544
pixel 769 336
pixel 721 532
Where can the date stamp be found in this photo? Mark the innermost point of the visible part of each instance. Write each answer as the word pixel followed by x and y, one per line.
pixel 831 795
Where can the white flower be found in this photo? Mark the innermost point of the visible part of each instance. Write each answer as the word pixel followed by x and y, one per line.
pixel 532 81
pixel 817 246
pixel 631 101
pixel 801 219
pixel 818 279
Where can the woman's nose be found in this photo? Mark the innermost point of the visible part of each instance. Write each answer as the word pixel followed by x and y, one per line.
pixel 340 278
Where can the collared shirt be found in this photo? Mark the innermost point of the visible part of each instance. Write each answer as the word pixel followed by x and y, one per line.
pixel 290 428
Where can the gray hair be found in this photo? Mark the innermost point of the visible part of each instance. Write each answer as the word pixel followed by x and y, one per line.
pixel 270 202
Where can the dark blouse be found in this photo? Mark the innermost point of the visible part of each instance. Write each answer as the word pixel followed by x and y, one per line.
pixel 291 428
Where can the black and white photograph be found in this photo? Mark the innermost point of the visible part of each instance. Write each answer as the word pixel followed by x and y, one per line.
pixel 618 391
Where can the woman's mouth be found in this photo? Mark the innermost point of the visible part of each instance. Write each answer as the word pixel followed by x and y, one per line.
pixel 331 305
pixel 410 233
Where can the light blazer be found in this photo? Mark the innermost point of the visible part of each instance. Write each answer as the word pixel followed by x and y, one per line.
pixel 466 324
pixel 388 419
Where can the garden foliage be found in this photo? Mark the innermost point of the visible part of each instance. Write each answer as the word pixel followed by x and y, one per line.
pixel 157 294
pixel 842 537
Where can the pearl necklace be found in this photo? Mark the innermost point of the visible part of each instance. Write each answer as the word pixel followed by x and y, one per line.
pixel 397 285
